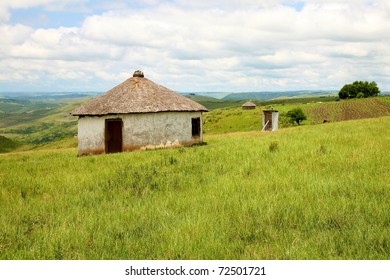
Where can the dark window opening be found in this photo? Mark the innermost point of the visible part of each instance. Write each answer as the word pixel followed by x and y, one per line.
pixel 195 127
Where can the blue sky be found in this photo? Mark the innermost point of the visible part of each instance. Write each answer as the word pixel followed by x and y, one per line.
pixel 37 17
pixel 214 45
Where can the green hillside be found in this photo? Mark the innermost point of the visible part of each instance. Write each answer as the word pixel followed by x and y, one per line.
pixel 213 103
pixel 38 122
pixel 317 110
pixel 349 109
pixel 264 95
pixel 308 192
pixel 7 145
pixel 35 122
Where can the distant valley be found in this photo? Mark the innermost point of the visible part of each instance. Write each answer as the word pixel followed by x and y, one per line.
pixel 258 95
pixel 43 120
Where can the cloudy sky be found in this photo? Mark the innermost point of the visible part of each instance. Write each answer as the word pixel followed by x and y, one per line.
pixel 202 45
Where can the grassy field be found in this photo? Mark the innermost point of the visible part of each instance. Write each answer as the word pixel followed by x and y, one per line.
pixel 349 109
pixel 308 192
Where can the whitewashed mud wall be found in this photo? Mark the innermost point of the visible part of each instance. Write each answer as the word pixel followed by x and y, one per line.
pixel 140 131
pixel 91 135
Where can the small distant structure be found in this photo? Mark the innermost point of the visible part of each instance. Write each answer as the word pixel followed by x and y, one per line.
pixel 270 120
pixel 135 115
pixel 249 105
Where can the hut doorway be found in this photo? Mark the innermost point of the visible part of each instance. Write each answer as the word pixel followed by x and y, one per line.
pixel 114 140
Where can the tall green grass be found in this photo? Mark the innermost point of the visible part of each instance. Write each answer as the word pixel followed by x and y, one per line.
pixel 312 192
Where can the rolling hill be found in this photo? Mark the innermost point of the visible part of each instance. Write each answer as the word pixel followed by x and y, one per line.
pixel 7 145
pixel 265 95
pixel 33 123
pixel 38 121
pixel 212 103
pixel 225 120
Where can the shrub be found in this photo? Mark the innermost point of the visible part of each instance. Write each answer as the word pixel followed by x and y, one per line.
pixel 296 115
pixel 273 146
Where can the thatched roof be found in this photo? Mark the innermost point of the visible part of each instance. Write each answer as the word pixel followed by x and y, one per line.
pixel 138 95
pixel 249 104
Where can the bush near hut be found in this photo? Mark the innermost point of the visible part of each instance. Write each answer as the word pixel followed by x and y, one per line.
pixel 296 115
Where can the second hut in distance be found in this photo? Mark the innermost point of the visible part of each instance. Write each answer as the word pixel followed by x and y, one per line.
pixel 249 105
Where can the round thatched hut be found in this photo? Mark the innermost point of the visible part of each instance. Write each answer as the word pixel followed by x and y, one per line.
pixel 138 114
pixel 249 105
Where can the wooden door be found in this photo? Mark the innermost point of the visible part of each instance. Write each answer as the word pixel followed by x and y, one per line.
pixel 114 140
pixel 268 118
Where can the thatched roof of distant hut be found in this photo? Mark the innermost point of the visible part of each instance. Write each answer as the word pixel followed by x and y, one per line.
pixel 138 95
pixel 249 104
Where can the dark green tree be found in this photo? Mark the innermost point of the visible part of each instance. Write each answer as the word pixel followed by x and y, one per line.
pixel 359 88
pixel 373 89
pixel 296 115
pixel 360 95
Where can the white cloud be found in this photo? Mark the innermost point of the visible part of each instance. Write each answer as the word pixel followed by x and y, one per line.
pixel 207 45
